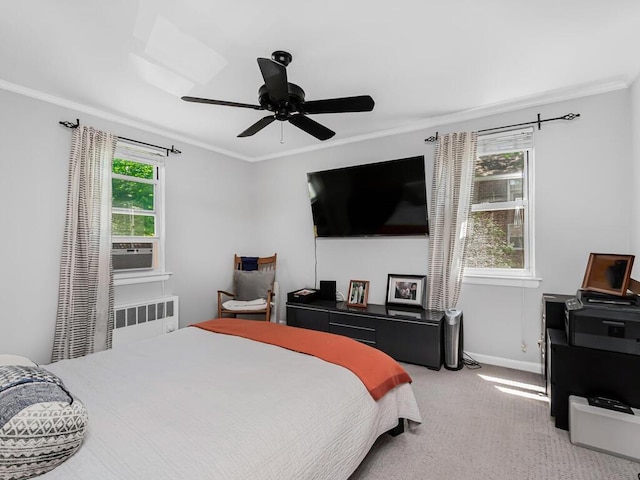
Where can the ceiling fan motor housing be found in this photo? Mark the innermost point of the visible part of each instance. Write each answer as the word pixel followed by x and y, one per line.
pixel 282 110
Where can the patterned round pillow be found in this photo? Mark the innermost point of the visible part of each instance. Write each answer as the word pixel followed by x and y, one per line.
pixel 41 423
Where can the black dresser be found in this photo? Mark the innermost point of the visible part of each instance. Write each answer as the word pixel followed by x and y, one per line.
pixel 407 335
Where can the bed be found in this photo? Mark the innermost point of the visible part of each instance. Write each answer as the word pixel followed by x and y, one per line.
pixel 195 404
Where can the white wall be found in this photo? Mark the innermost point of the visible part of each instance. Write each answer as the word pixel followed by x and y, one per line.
pixel 583 189
pixel 284 215
pixel 216 206
pixel 634 209
pixel 207 215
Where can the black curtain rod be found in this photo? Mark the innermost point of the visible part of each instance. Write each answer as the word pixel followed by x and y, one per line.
pixel 539 122
pixel 173 149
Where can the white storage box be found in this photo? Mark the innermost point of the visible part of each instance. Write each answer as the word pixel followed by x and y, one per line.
pixel 603 429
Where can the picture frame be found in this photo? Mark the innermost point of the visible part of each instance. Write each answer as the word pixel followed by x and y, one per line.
pixel 608 273
pixel 406 290
pixel 358 293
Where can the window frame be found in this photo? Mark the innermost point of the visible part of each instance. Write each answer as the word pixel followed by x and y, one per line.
pixel 134 211
pixel 525 276
pixel 139 154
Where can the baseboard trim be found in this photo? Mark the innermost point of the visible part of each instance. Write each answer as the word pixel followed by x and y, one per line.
pixel 533 367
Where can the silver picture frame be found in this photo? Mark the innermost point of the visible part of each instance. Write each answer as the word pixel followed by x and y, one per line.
pixel 406 290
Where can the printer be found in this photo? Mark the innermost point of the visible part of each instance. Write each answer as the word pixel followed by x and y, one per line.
pixel 604 322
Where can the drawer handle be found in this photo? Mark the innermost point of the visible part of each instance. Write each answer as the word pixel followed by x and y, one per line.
pixel 611 322
pixel 352 326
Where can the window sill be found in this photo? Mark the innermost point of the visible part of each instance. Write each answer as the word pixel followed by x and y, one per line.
pixel 526 282
pixel 140 277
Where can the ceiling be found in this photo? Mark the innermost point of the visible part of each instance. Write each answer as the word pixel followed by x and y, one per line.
pixel 422 61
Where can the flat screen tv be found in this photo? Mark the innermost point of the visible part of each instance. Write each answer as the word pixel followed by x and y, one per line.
pixel 376 199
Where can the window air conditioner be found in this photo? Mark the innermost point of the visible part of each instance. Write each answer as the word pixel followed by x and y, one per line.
pixel 132 256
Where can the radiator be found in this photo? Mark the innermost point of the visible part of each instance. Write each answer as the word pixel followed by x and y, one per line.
pixel 144 319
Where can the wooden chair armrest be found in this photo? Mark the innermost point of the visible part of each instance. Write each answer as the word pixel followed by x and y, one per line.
pixel 223 292
pixel 269 299
pixel 220 294
pixel 271 295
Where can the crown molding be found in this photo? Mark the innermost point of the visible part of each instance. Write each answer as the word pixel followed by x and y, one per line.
pixel 554 96
pixel 62 102
pixel 439 121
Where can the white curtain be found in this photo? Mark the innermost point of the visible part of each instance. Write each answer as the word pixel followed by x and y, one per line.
pixel 84 320
pixel 451 194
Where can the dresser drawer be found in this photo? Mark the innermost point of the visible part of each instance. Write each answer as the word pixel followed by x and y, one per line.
pixel 353 320
pixel 358 327
pixel 363 334
pixel 305 317
pixel 408 335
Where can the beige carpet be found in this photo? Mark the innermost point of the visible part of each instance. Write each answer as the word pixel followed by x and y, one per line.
pixel 474 431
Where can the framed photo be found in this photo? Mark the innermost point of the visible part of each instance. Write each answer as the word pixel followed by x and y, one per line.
pixel 608 273
pixel 407 290
pixel 358 293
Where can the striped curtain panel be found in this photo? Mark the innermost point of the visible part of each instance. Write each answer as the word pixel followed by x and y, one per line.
pixel 84 320
pixel 451 194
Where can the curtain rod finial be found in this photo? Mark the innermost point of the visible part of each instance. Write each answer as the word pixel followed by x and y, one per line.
pixel 432 138
pixel 67 124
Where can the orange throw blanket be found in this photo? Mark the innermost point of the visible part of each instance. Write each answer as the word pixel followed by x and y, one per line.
pixel 377 370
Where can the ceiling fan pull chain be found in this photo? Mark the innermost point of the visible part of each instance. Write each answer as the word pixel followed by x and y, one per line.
pixel 282 133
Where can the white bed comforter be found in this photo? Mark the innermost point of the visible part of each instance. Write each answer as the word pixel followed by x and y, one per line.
pixel 199 405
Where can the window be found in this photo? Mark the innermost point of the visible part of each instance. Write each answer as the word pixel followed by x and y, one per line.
pixel 137 213
pixel 500 231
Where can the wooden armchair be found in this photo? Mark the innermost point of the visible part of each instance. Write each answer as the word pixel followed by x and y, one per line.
pixel 252 277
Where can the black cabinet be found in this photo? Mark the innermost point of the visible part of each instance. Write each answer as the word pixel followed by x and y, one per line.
pixel 412 342
pixel 588 372
pixel 552 317
pixel 306 316
pixel 407 335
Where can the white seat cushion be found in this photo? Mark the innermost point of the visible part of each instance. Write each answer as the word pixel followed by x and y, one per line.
pixel 257 304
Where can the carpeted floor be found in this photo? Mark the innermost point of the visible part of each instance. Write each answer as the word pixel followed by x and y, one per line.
pixel 473 430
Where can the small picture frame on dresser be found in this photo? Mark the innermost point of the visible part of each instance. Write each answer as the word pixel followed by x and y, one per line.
pixel 358 293
pixel 608 273
pixel 406 290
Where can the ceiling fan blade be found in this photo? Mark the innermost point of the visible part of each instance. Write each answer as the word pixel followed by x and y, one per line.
pixel 361 103
pixel 256 127
pixel 312 127
pixel 221 102
pixel 275 78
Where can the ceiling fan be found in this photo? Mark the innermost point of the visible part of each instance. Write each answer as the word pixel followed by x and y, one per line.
pixel 286 100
